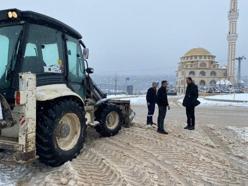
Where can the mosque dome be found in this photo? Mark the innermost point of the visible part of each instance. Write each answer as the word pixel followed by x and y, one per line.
pixel 198 52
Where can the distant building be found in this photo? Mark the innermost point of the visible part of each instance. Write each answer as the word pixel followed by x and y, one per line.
pixel 130 89
pixel 199 64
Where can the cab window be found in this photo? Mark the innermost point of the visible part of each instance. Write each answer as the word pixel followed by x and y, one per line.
pixel 75 60
pixel 9 36
pixel 50 54
pixel 43 51
pixel 31 50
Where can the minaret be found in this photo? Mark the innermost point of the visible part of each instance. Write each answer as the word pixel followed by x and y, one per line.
pixel 232 39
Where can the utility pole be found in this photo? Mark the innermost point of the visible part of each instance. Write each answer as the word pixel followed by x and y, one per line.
pixel 127 79
pixel 115 84
pixel 239 59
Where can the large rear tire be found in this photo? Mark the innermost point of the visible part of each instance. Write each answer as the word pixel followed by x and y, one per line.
pixel 61 131
pixel 111 119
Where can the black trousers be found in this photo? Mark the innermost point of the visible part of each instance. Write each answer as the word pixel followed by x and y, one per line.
pixel 151 110
pixel 161 116
pixel 190 112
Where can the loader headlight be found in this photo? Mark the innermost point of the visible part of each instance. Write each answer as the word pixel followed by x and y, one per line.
pixel 12 14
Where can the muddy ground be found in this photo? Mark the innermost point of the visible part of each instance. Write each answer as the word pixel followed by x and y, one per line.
pixel 210 155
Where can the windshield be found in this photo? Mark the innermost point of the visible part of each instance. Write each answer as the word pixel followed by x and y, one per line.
pixel 8 40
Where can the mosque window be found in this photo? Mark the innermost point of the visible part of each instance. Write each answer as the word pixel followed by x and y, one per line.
pixel 212 82
pixel 191 73
pixel 202 83
pixel 213 73
pixel 202 73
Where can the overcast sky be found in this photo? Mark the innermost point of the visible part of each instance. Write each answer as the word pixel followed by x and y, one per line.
pixel 145 36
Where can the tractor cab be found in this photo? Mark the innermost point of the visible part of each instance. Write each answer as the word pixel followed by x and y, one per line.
pixel 32 42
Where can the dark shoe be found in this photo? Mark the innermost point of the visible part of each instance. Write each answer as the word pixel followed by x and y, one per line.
pixel 154 123
pixel 162 132
pixel 187 127
pixel 191 128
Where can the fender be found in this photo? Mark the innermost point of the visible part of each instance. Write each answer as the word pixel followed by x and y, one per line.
pixel 50 92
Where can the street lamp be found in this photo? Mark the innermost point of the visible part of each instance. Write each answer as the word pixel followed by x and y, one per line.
pixel 239 59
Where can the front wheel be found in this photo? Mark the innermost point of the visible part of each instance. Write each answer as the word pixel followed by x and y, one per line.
pixel 60 132
pixel 110 121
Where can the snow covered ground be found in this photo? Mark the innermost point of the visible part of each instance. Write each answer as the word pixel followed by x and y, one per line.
pixel 237 100
pixel 135 99
pixel 215 155
pixel 205 102
pixel 231 97
pixel 242 133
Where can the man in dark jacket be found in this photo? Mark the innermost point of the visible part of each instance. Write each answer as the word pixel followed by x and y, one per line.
pixel 190 102
pixel 151 101
pixel 163 103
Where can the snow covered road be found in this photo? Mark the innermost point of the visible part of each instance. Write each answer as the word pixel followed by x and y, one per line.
pixel 214 154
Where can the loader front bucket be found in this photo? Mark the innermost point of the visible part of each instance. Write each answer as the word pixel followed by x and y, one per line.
pixel 127 112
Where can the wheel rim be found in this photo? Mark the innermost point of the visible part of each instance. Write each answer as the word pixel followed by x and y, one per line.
pixel 112 120
pixel 68 131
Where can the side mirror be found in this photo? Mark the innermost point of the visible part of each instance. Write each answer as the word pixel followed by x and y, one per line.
pixel 90 70
pixel 86 53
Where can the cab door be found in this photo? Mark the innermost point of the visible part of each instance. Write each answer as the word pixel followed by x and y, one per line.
pixel 76 69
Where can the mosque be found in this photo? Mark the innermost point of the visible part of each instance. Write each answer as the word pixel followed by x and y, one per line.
pixel 202 66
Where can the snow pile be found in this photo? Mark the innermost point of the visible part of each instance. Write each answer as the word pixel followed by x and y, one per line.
pixel 11 174
pixel 238 100
pixel 205 102
pixel 140 100
pixel 230 97
pixel 118 96
pixel 135 99
pixel 242 133
pixel 224 82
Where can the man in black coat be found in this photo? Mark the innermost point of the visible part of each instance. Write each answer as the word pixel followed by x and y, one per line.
pixel 163 103
pixel 151 101
pixel 190 102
